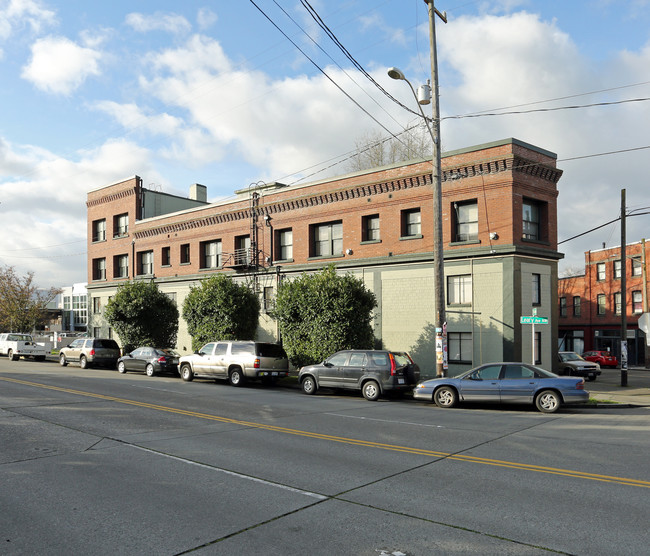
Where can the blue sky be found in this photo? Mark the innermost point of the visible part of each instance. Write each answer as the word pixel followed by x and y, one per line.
pixel 212 92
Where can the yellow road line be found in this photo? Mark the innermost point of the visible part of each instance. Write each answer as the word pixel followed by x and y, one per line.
pixel 345 440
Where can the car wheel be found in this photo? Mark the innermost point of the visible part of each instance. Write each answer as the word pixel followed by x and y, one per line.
pixel 445 396
pixel 371 391
pixel 186 373
pixel 591 378
pixel 11 356
pixel 83 362
pixel 548 401
pixel 121 367
pixel 236 377
pixel 309 385
pixel 62 360
pixel 149 370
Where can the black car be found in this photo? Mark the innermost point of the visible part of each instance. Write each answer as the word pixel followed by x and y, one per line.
pixel 149 360
pixel 374 372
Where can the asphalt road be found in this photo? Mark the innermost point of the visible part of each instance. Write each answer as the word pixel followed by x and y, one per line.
pixel 94 462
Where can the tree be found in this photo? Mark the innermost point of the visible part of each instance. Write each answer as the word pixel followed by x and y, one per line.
pixel 321 313
pixel 221 309
pixel 374 150
pixel 142 315
pixel 23 306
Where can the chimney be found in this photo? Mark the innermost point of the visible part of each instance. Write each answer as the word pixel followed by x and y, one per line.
pixel 199 192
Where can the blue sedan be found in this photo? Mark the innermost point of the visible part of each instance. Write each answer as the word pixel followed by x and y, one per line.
pixel 505 383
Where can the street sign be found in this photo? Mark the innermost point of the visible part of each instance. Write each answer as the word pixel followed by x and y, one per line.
pixel 533 320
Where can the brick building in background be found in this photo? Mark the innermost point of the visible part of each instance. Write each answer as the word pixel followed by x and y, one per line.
pixel 590 304
pixel 500 247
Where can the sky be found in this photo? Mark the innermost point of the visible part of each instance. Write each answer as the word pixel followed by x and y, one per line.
pixel 228 94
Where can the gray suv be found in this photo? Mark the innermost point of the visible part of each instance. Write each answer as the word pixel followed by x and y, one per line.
pixel 374 372
pixel 91 352
pixel 573 365
pixel 236 361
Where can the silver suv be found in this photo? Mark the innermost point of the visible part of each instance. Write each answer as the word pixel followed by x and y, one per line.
pixel 236 361
pixel 91 352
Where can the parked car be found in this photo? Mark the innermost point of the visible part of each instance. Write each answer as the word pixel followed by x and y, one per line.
pixel 374 372
pixel 149 360
pixel 16 345
pixel 91 352
pixel 573 365
pixel 603 358
pixel 505 383
pixel 236 361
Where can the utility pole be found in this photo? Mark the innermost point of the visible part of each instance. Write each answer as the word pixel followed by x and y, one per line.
pixel 436 182
pixel 623 294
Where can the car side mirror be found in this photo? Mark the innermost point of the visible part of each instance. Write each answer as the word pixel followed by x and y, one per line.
pixel 327 364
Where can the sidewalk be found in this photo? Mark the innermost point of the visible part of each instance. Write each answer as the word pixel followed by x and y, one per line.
pixel 607 387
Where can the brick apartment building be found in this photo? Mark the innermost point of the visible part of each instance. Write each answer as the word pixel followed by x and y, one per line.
pixel 499 232
pixel 590 304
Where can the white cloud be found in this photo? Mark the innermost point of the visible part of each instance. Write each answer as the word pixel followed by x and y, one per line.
pixel 15 14
pixel 206 18
pixel 59 65
pixel 171 23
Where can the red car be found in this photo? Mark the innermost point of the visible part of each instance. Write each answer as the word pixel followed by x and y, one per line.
pixel 603 358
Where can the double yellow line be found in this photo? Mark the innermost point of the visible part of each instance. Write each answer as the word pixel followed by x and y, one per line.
pixel 351 441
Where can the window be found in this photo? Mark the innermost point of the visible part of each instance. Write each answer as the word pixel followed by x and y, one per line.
pixel 97 304
pixel 537 289
pixel 600 272
pixel 120 225
pixel 576 305
pixel 459 289
pixel 121 266
pixel 617 303
pixel 284 245
pixel 531 220
pixel 538 348
pixel 165 256
pixel 466 221
pixel 243 250
pixel 67 303
pixel 601 304
pixel 171 295
pixel 637 302
pixel 99 269
pixel 327 239
pixel 563 306
pixel 617 270
pixel 460 346
pixel 97 331
pixel 185 253
pixel 411 223
pixel 145 263
pixel 210 254
pixel 268 298
pixel 370 228
pixel 99 230
pixel 637 267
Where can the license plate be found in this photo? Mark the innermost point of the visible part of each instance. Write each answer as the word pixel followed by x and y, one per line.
pixel 400 381
pixel 274 374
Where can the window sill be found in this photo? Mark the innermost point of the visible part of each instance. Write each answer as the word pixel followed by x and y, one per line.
pixel 468 242
pixel 537 241
pixel 165 266
pixel 283 261
pixel 370 241
pixel 406 238
pixel 120 236
pixel 208 268
pixel 98 241
pixel 325 257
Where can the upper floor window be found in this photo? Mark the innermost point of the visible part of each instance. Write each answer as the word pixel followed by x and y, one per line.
pixel 243 250
pixel 576 305
pixel 601 304
pixel 327 239
pixel 637 302
pixel 537 289
pixel 563 312
pixel 284 244
pixel 185 253
pixel 211 254
pixel 637 267
pixel 466 214
pixel 459 289
pixel 600 272
pixel 121 266
pixel 617 270
pixel 120 225
pixel 531 220
pixel 617 303
pixel 411 223
pixel 370 228
pixel 99 230
pixel 145 263
pixel 99 269
pixel 165 256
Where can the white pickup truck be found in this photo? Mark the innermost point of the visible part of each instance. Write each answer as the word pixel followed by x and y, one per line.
pixel 15 346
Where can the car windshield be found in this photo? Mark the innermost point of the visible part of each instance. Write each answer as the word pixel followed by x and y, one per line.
pixel 570 356
pixel 168 352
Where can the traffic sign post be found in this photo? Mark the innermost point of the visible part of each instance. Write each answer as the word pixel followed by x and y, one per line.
pixel 533 320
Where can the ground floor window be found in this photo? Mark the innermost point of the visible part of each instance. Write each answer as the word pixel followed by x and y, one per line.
pixel 459 345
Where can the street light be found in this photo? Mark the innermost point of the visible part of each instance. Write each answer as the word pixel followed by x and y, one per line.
pixel 424 97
